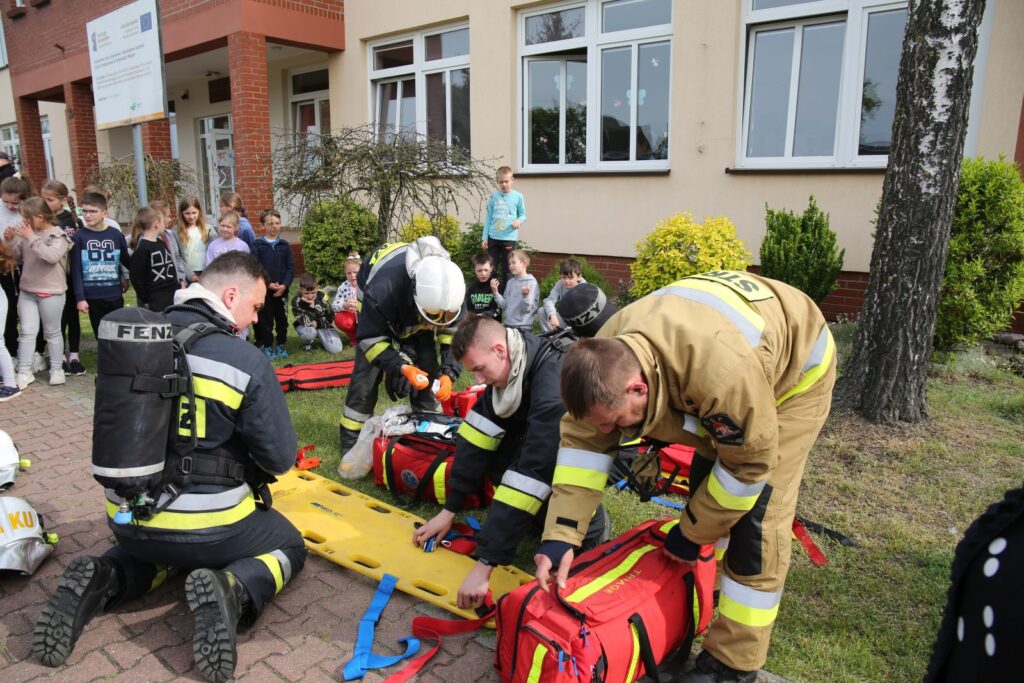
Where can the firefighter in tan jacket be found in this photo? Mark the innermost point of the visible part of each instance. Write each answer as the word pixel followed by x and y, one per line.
pixel 740 367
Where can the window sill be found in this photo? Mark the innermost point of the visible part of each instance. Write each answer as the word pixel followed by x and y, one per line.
pixel 591 174
pixel 15 12
pixel 38 3
pixel 805 170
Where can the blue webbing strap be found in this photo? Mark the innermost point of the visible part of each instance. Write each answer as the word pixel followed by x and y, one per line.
pixel 363 658
pixel 655 499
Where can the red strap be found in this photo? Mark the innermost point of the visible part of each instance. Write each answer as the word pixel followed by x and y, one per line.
pixel 818 558
pixel 431 627
pixel 303 462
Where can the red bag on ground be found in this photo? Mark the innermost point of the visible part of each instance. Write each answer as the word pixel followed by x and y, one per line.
pixel 461 402
pixel 419 464
pixel 315 375
pixel 625 610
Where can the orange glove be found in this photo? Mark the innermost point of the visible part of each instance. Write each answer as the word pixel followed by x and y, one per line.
pixel 417 378
pixel 444 391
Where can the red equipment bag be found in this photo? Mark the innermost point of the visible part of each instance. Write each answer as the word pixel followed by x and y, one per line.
pixel 315 375
pixel 461 402
pixel 625 609
pixel 675 464
pixel 420 463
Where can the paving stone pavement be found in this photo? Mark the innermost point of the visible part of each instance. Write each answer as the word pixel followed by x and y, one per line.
pixel 305 634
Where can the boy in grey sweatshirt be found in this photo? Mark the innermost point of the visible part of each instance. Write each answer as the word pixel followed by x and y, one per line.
pixel 569 272
pixel 521 293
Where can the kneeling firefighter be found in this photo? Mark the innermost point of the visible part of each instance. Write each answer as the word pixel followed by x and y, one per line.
pixel 190 426
pixel 412 294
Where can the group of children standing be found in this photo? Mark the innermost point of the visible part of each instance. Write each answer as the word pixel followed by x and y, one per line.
pixel 55 265
pixel 517 303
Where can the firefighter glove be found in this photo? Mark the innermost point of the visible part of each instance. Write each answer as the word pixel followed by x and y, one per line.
pixel 416 377
pixel 444 389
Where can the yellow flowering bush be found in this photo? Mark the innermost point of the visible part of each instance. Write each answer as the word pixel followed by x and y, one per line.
pixel 680 246
pixel 446 229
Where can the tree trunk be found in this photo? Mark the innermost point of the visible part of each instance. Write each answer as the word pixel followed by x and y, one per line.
pixel 886 377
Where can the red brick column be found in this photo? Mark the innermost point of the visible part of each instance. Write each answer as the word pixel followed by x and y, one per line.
pixel 156 138
pixel 250 119
pixel 30 135
pixel 81 132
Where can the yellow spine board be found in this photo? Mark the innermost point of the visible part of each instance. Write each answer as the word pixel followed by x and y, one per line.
pixel 372 537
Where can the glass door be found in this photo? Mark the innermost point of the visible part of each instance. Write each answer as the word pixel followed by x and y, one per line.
pixel 218 160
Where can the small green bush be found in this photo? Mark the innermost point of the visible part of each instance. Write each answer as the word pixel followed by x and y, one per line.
pixel 679 246
pixel 467 246
pixel 984 280
pixel 801 251
pixel 445 229
pixel 331 230
pixel 589 273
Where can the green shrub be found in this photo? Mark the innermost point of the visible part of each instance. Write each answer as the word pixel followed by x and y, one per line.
pixel 801 251
pixel 984 280
pixel 467 246
pixel 588 272
pixel 331 230
pixel 445 229
pixel 679 246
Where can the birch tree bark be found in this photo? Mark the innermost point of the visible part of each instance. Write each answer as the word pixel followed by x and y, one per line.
pixel 886 377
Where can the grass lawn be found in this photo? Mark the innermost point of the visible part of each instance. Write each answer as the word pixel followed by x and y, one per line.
pixel 905 493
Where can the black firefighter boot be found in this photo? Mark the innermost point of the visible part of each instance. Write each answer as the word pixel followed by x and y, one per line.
pixel 347 439
pixel 87 585
pixel 710 670
pixel 218 601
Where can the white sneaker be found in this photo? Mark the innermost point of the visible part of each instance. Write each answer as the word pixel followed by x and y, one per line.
pixel 39 364
pixel 56 377
pixel 23 379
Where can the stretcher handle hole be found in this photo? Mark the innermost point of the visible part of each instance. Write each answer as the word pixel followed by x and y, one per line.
pixel 378 508
pixel 306 475
pixel 364 561
pixel 337 490
pixel 429 587
pixel 313 537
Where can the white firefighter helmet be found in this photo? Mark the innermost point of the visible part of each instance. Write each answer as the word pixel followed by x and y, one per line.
pixel 439 290
pixel 23 545
pixel 9 461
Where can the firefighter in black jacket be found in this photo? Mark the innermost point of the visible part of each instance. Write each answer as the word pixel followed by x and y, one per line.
pixel 511 435
pixel 412 293
pixel 241 552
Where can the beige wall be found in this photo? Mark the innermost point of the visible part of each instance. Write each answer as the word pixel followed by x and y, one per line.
pixel 607 215
pixel 7 114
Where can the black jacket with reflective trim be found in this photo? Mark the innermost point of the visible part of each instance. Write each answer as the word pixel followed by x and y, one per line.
pixel 261 425
pixel 529 447
pixel 389 311
pixel 240 408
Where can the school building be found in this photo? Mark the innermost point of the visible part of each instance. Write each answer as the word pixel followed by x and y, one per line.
pixel 613 113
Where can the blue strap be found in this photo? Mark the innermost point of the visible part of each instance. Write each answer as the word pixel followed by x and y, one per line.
pixel 621 484
pixel 363 658
pixel 473 523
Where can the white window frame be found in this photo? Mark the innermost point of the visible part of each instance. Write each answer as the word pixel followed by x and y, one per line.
pixel 593 42
pixel 418 70
pixel 3 47
pixel 47 144
pixel 856 14
pixel 315 96
pixel 12 146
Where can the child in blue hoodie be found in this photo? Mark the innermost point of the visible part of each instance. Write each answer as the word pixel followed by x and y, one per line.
pixel 275 254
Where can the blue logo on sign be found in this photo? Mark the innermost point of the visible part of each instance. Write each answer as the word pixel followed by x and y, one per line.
pixel 146 22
